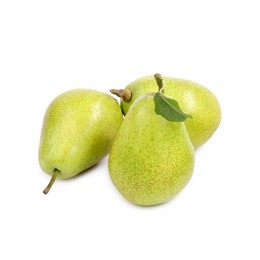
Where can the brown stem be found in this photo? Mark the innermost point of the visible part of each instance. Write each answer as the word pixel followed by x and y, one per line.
pixel 53 178
pixel 159 81
pixel 122 93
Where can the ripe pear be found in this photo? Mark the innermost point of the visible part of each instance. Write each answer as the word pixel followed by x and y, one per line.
pixel 152 158
pixel 78 130
pixel 193 98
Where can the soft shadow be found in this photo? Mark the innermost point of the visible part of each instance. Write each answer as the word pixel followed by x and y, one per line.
pixel 88 171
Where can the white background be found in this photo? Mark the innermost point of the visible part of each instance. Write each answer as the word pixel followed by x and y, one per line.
pixel 48 47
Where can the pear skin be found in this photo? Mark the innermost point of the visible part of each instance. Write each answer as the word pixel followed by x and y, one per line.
pixel 193 98
pixel 78 130
pixel 152 159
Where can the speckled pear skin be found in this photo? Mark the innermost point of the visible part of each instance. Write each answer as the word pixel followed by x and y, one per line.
pixel 151 159
pixel 78 130
pixel 193 98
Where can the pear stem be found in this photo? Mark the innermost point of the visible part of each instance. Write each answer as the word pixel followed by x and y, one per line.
pixel 159 81
pixel 53 178
pixel 125 94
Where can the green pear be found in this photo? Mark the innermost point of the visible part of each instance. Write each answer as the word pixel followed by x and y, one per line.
pixel 78 130
pixel 152 158
pixel 193 98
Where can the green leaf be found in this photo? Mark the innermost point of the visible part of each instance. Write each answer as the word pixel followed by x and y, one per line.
pixel 169 108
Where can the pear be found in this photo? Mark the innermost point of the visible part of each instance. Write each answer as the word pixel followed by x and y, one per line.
pixel 193 98
pixel 78 130
pixel 152 158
